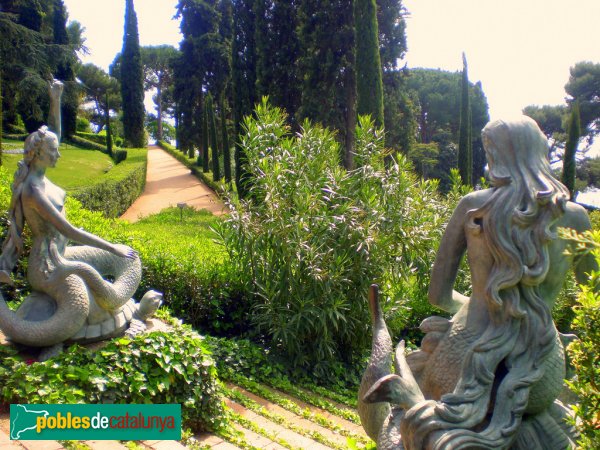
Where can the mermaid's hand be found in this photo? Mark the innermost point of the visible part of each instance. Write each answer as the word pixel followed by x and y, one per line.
pixel 124 251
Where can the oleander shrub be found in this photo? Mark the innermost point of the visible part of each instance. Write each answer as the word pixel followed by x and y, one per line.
pixel 158 367
pixel 585 351
pixel 313 238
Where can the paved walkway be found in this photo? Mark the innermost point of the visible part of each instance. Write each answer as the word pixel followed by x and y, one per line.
pixel 169 182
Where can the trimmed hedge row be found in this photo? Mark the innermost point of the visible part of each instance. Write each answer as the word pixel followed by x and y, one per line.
pixel 87 144
pixel 16 137
pixel 124 184
pixel 190 164
pixel 100 138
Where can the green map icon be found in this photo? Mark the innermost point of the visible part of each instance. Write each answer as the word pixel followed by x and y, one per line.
pixel 24 418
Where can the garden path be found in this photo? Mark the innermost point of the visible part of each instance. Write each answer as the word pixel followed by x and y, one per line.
pixel 169 182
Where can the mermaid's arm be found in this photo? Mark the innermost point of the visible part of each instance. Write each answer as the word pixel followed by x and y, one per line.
pixel 447 261
pixel 39 201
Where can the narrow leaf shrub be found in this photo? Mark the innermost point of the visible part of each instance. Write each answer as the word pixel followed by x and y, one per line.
pixel 585 351
pixel 313 237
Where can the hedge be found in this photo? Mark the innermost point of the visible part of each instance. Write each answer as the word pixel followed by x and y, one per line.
pixel 124 183
pixel 87 144
pixel 99 138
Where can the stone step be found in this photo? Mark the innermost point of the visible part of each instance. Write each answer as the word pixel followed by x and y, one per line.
pixel 292 438
pixel 291 417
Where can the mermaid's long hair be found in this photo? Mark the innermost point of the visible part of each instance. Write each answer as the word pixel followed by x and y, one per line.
pixel 13 243
pixel 516 224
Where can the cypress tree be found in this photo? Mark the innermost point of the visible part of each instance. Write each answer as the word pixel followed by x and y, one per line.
pixel 465 144
pixel 225 144
pixel 569 162
pixel 132 81
pixel 243 64
pixel 205 159
pixel 369 84
pixel 214 145
pixel 65 71
pixel 109 142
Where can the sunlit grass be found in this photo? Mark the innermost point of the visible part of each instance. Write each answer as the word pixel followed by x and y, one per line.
pixel 79 168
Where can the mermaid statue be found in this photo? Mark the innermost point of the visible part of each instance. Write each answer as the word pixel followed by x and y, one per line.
pixel 71 298
pixel 489 377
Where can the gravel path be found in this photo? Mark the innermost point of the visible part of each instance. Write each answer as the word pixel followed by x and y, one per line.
pixel 169 182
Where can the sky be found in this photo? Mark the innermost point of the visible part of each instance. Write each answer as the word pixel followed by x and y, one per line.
pixel 520 50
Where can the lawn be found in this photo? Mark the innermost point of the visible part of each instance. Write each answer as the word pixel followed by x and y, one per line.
pixel 75 169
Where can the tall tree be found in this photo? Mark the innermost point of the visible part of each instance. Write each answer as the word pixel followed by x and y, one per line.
pixel 214 145
pixel 400 107
pixel 205 140
pixel 225 150
pixel 132 82
pixel 65 71
pixel 569 162
pixel 158 62
pixel 206 59
pixel 465 144
pixel 392 33
pixel 326 35
pixel 97 84
pixel 243 81
pixel 551 120
pixel 436 95
pixel 369 82
pixel 25 51
pixel 584 88
pixel 277 53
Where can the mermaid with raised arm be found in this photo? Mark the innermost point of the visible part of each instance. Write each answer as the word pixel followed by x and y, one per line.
pixel 70 299
pixel 489 377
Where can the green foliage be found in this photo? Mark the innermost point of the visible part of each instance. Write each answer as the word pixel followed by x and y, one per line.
pixel 159 367
pixel 243 78
pixel 569 162
pixel 585 351
pixel 392 33
pixel 277 52
pixel 181 259
pixel 101 91
pixel 438 96
pixel 158 64
pixel 132 82
pixel 315 237
pixel 583 87
pixel 369 84
pixel 326 64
